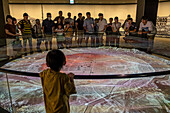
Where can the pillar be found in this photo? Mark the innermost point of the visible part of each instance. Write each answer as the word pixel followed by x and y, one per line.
pixel 147 8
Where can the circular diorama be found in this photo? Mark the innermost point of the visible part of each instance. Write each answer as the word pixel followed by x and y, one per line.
pixel 145 94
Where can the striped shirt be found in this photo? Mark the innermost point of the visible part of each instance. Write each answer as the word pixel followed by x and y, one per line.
pixel 26 26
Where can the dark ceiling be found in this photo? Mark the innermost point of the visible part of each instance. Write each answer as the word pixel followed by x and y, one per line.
pixel 80 1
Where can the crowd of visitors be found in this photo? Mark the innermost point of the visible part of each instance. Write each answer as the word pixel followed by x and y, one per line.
pixel 64 29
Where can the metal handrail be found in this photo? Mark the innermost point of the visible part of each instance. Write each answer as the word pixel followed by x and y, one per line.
pixel 116 76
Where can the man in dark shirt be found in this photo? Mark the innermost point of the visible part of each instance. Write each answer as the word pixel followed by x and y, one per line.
pixel 60 16
pixel 130 27
pixel 48 28
pixel 80 28
pixel 109 33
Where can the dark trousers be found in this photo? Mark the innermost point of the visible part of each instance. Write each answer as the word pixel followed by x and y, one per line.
pixel 25 38
pixel 39 40
pixel 92 39
pixel 112 40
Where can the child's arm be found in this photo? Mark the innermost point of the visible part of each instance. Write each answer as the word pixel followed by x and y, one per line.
pixel 69 85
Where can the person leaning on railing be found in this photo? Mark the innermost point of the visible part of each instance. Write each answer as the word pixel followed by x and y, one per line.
pixel 10 30
pixel 57 86
pixel 130 29
pixel 147 30
pixel 60 36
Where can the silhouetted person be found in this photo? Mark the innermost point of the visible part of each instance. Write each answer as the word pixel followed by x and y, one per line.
pixel 80 28
pixel 48 28
pixel 89 28
pixel 102 27
pixel 116 34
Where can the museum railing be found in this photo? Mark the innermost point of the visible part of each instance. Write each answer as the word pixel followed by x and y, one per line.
pixel 9 80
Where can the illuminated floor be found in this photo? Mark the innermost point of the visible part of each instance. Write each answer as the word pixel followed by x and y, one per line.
pixel 147 95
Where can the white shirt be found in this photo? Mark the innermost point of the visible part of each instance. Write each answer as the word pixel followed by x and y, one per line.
pixel 116 26
pixel 147 27
pixel 102 23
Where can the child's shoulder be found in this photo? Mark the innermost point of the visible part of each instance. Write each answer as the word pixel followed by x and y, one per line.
pixel 52 72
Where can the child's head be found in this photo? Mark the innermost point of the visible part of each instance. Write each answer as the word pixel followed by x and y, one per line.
pixel 110 20
pixel 96 20
pixel 55 59
pixel 59 26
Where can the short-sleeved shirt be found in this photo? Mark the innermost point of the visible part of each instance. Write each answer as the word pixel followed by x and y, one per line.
pixel 11 29
pixel 89 24
pixel 59 32
pixel 132 27
pixel 70 20
pixel 56 88
pixel 38 29
pixel 109 30
pixel 147 27
pixel 102 23
pixel 26 26
pixel 48 25
pixel 116 26
pixel 61 17
pixel 80 24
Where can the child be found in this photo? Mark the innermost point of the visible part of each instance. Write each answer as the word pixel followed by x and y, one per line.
pixel 60 36
pixel 68 35
pixel 57 86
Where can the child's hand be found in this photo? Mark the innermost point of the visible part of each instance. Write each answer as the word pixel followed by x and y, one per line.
pixel 71 75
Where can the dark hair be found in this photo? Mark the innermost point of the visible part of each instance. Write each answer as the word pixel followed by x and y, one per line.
pixel 48 14
pixel 88 13
pixel 130 19
pixel 8 16
pixel 116 18
pixel 129 16
pixel 111 19
pixel 13 19
pixel 55 59
pixel 25 14
pixel 100 14
pixel 67 23
pixel 37 20
pixel 68 13
pixel 60 12
pixel 144 18
pixel 96 19
pixel 79 14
